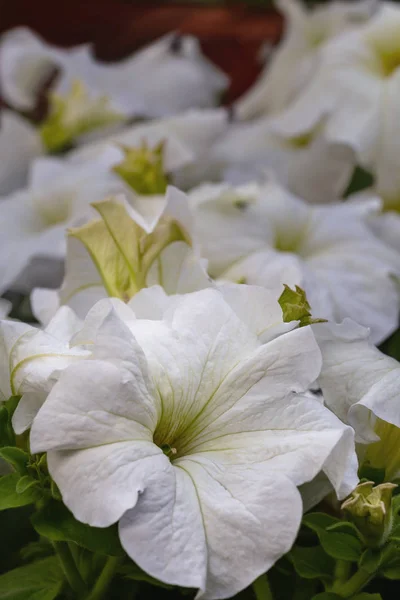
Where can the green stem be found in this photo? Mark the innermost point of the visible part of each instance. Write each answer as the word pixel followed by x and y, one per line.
pixel 262 589
pixel 69 567
pixel 342 571
pixel 102 584
pixel 355 584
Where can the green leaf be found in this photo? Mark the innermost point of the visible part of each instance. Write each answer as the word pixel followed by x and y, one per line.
pixel 312 563
pixel 370 560
pixel 327 596
pixel 10 498
pixel 345 527
pixel 15 457
pixel 41 580
pixel 366 596
pixel 25 483
pixel 319 522
pixel 341 546
pixel 56 522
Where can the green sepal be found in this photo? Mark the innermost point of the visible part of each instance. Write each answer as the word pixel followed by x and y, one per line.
pixel 55 522
pixel 295 307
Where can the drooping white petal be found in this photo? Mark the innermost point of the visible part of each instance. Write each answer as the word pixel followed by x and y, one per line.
pixel 359 383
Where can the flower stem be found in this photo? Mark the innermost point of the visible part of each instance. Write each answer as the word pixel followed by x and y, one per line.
pixel 355 584
pixel 102 584
pixel 342 571
pixel 262 588
pixel 69 567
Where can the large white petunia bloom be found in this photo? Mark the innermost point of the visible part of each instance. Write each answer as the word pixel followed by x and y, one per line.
pixel 293 64
pixel 166 77
pixel 308 165
pixel 31 359
pixel 194 436
pixel 262 235
pixel 119 254
pixel 19 145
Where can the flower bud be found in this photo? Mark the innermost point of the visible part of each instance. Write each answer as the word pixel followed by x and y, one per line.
pixel 369 507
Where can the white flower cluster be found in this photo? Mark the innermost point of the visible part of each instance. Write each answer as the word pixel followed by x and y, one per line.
pixel 209 351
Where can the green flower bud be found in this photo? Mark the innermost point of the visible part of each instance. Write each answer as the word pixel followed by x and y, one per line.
pixel 369 507
pixel 143 169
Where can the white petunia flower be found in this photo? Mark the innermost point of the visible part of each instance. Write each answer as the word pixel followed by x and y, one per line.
pixel 263 235
pixel 356 90
pixel 31 360
pixel 166 77
pixel 194 436
pixel 117 256
pixel 59 194
pixel 19 145
pixel 307 165
pixel 293 64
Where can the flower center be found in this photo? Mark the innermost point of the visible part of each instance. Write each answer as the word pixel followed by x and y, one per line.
pixel 53 209
pixel 385 45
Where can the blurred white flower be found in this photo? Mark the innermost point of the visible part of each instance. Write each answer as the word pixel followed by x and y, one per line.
pixel 194 436
pixel 293 64
pixel 166 77
pixel 356 90
pixel 308 165
pixel 33 221
pixel 263 235
pixel 19 145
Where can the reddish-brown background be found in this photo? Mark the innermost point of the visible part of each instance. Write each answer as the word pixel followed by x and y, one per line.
pixel 230 36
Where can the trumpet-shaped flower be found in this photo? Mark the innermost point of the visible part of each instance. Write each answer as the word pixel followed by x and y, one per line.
pixel 194 436
pixel 166 77
pixel 19 145
pixel 115 256
pixel 31 359
pixel 293 64
pixel 263 235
